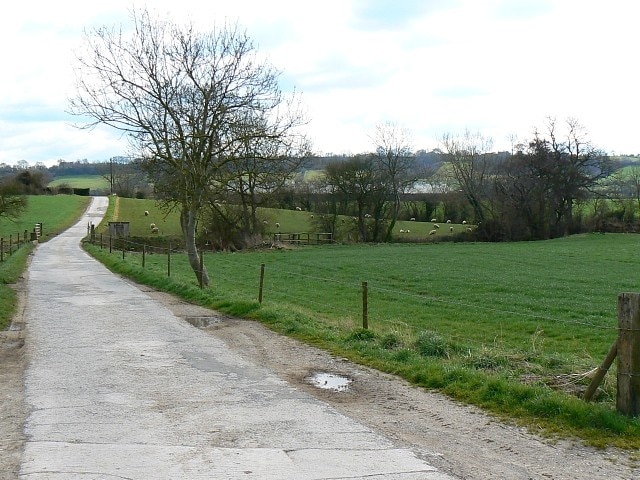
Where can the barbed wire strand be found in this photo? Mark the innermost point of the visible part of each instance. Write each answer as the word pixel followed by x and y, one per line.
pixel 373 287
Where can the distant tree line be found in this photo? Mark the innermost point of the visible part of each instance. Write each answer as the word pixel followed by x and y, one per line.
pixel 553 184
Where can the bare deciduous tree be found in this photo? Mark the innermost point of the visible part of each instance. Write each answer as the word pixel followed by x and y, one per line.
pixel 469 157
pixel 397 162
pixel 188 100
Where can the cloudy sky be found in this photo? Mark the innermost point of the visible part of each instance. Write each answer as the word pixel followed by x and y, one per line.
pixel 500 67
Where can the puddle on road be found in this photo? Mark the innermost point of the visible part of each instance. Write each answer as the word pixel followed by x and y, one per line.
pixel 329 381
pixel 202 322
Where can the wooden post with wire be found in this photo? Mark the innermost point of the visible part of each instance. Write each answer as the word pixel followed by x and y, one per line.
pixel 169 260
pixel 365 305
pixel 628 396
pixel 144 254
pixel 261 283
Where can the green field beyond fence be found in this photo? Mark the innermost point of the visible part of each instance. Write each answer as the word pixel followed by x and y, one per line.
pixel 458 317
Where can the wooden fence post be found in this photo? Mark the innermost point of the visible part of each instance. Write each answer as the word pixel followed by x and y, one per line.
pixel 628 396
pixel 601 372
pixel 169 260
pixel 365 305
pixel 144 253
pixel 261 283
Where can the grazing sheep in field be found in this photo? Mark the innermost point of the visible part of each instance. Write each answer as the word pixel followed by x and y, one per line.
pixel 469 229
pixel 448 221
pixel 435 225
pixel 433 232
pixel 451 229
pixel 413 219
pixel 434 219
pixel 152 226
pixel 408 231
pixel 401 231
pixel 298 209
pixel 312 216
pixel 366 215
pixel 277 224
pixel 154 230
pixel 146 213
pixel 265 222
pixel 464 222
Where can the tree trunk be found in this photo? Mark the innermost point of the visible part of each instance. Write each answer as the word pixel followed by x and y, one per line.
pixel 188 221
pixel 394 217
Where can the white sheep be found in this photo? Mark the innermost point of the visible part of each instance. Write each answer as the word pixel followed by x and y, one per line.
pixel 298 209
pixel 435 225
pixel 311 215
pixel 464 222
pixel 152 226
pixel 451 229
pixel 154 230
pixel 413 219
pixel 408 231
pixel 448 221
pixel 265 222
pixel 401 230
pixel 366 215
pixel 146 213
pixel 277 224
pixel 469 229
pixel 434 219
pixel 433 232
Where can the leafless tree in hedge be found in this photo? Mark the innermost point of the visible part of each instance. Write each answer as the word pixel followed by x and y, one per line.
pixel 471 163
pixel 397 161
pixel 188 100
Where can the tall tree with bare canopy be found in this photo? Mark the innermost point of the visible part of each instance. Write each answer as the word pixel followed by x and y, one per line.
pixel 189 101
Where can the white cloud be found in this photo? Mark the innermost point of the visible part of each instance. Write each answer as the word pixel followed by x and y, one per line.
pixel 497 66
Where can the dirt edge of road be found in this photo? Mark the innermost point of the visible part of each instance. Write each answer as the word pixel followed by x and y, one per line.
pixel 13 410
pixel 457 439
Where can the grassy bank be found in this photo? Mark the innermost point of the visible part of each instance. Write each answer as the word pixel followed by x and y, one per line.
pixel 56 213
pixel 278 221
pixel 514 328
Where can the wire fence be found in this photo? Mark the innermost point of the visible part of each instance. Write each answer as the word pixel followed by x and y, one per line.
pixel 298 286
pixel 486 336
pixel 11 243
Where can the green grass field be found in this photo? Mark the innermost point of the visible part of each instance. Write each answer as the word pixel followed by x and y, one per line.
pixel 56 213
pixel 512 327
pixel 291 221
pixel 93 182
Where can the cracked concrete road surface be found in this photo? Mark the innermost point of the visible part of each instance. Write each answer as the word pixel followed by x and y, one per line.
pixel 118 387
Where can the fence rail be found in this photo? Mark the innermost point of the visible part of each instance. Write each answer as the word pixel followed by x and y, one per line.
pixel 304 238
